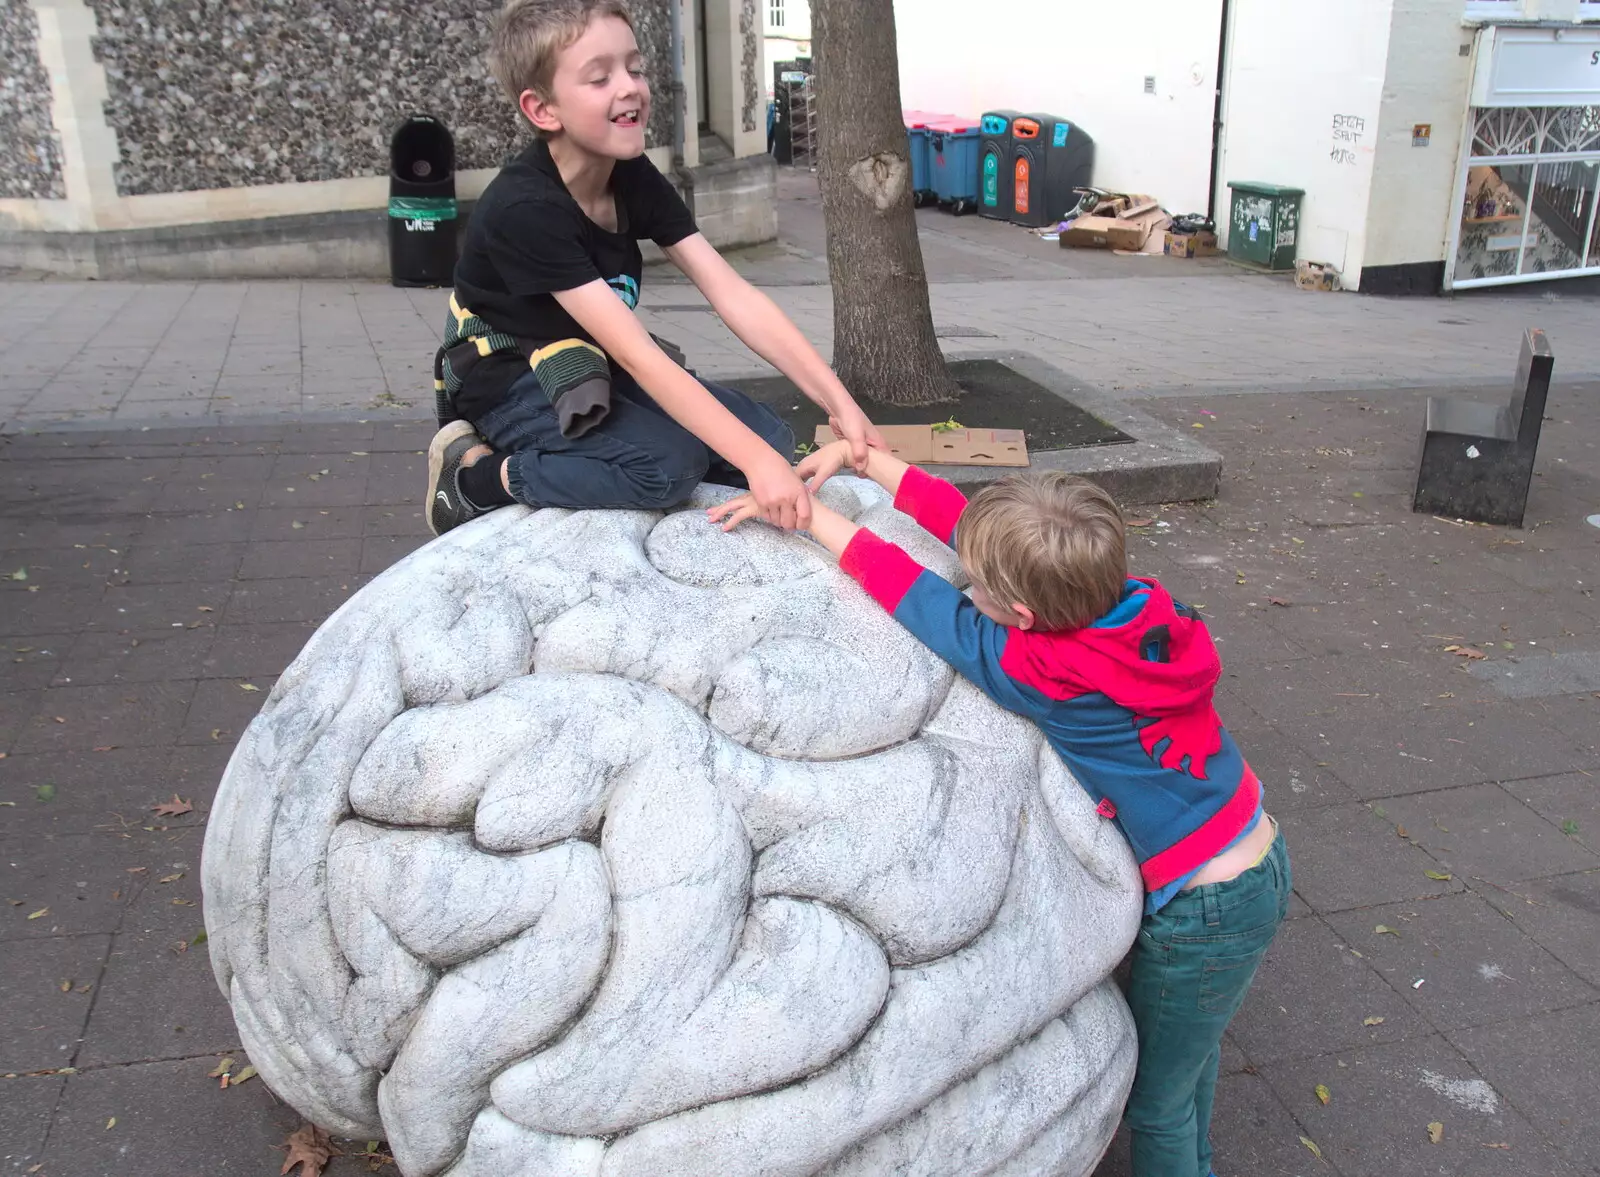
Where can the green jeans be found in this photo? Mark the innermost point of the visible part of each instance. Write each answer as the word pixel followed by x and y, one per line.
pixel 1192 964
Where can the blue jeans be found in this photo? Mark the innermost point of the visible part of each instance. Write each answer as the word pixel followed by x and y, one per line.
pixel 637 457
pixel 1192 963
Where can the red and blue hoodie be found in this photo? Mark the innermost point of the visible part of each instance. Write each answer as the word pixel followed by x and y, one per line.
pixel 1126 701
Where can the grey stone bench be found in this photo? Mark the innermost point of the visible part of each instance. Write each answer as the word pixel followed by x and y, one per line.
pixel 1477 458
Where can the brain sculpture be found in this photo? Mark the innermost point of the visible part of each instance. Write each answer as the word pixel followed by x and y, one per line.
pixel 603 844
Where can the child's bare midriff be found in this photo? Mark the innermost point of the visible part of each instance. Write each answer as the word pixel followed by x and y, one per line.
pixel 1238 858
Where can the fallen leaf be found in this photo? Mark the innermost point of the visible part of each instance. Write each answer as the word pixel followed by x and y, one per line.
pixel 1385 930
pixel 106 748
pixel 1312 1145
pixel 199 939
pixel 59 718
pixel 1441 876
pixel 1372 1021
pixel 111 1123
pixel 170 878
pixel 1323 1094
pixel 248 686
pixel 216 733
pixel 84 988
pixel 1469 653
pixel 205 608
pixel 177 807
pixel 1496 1146
pixel 297 525
pixel 66 986
pixel 1279 601
pixel 45 792
pixel 244 1076
pixel 1141 523
pixel 1401 831
pixel 1436 1132
pixel 40 912
pixel 310 1148
pixel 223 1068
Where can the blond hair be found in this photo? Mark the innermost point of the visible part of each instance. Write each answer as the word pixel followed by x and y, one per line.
pixel 529 35
pixel 1052 542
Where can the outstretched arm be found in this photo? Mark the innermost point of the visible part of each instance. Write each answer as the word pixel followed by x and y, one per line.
pixel 763 327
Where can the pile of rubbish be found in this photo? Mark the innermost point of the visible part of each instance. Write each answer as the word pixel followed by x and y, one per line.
pixel 1130 223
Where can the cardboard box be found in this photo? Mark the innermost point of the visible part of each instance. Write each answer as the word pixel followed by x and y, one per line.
pixel 1097 232
pixel 1202 244
pixel 921 445
pixel 1315 276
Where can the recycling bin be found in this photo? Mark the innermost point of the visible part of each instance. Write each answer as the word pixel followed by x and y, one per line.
pixel 422 203
pixel 953 150
pixel 1051 157
pixel 916 124
pixel 994 164
pixel 1263 222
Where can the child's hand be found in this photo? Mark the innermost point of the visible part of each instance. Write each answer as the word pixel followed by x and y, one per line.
pixel 850 425
pixel 820 465
pixel 734 512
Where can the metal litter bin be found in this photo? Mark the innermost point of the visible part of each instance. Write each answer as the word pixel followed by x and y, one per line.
pixel 422 203
pixel 1263 224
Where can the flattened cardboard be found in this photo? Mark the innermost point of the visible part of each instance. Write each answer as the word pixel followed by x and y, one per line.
pixel 920 445
pixel 1201 244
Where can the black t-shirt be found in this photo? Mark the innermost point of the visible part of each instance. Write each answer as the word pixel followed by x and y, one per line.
pixel 528 239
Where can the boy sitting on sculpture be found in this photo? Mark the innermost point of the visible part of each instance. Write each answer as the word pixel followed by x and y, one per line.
pixel 550 391
pixel 1120 678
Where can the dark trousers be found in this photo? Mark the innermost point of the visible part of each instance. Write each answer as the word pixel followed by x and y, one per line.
pixel 637 457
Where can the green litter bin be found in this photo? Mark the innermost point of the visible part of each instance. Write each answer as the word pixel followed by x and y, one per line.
pixel 1263 224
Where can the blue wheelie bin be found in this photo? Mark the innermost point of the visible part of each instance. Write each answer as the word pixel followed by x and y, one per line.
pixel 953 144
pixel 917 123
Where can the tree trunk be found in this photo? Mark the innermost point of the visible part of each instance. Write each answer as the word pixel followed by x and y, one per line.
pixel 884 348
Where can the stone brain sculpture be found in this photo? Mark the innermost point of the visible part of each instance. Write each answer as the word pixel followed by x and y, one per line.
pixel 602 843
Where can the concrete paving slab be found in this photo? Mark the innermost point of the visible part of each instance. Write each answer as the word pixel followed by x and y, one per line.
pixel 1475 965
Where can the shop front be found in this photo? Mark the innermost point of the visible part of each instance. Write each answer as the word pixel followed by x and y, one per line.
pixel 1526 194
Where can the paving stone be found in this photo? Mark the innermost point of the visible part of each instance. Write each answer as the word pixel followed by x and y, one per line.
pixel 396 520
pixel 1384 1097
pixel 154 1001
pixel 298 491
pixel 40 1024
pixel 278 523
pixel 1484 831
pixel 137 655
pixel 1347 856
pixel 30 1102
pixel 199 526
pixel 225 707
pixel 17 710
pixel 150 606
pixel 1312 995
pixel 301 598
pixel 270 559
pixel 166 1111
pixel 1515 1057
pixel 1380 752
pixel 252 651
pixel 45 872
pixel 27 663
pixel 127 715
pixel 1569 801
pixel 50 569
pixel 1476 965
pixel 63 611
pixel 1292 779
pixel 151 563
pixel 1562 914
pixel 1508 743
pixel 90 790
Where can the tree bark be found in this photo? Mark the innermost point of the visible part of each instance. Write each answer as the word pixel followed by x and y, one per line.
pixel 884 347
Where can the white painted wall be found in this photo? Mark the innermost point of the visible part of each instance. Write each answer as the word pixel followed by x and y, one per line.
pixel 1086 63
pixel 1413 188
pixel 1302 104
